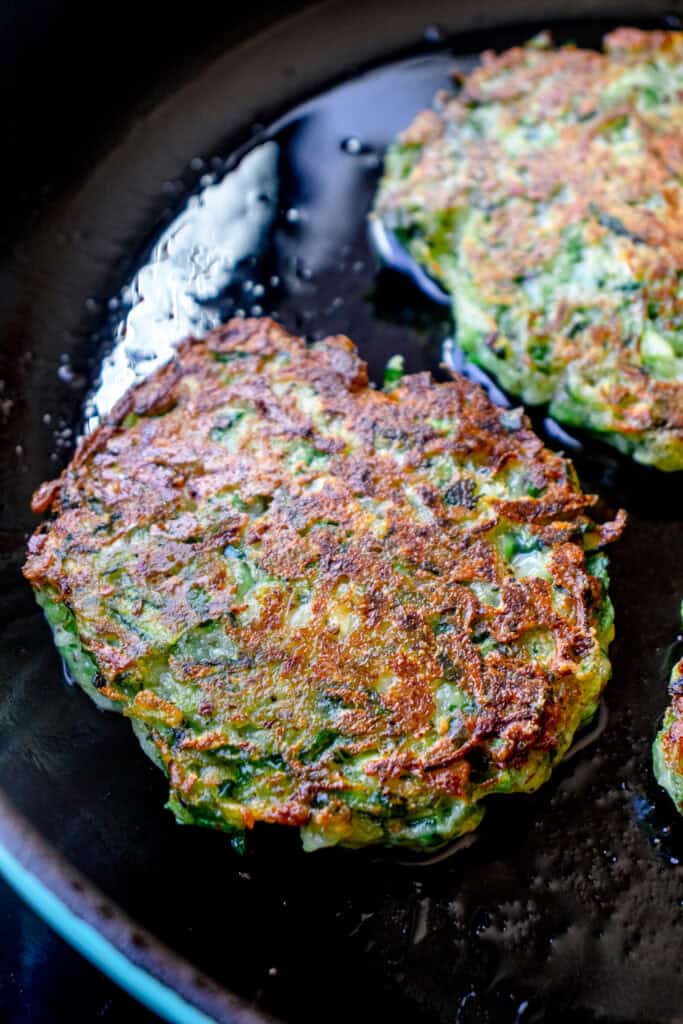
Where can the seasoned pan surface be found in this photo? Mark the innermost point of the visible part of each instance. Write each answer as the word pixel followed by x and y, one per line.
pixel 570 905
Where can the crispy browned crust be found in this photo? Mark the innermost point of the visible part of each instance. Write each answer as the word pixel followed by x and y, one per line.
pixel 668 747
pixel 159 470
pixel 672 737
pixel 632 196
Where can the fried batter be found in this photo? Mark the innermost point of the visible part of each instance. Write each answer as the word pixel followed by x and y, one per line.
pixel 668 746
pixel 546 194
pixel 354 611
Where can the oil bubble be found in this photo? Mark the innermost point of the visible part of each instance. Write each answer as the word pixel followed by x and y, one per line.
pixel 352 145
pixel 433 34
pixel 303 271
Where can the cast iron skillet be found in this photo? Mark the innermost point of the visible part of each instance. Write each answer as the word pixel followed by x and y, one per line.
pixel 569 907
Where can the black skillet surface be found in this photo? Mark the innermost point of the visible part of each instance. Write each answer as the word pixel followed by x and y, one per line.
pixel 570 905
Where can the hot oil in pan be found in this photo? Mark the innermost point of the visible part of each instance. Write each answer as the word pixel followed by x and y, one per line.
pixel 279 228
pixel 569 907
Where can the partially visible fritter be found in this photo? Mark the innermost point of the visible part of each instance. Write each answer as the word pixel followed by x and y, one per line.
pixel 324 605
pixel 546 195
pixel 668 746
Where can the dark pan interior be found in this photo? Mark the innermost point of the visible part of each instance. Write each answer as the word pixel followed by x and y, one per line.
pixel 570 905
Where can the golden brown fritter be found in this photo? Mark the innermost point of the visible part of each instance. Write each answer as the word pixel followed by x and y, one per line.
pixel 325 605
pixel 668 745
pixel 546 194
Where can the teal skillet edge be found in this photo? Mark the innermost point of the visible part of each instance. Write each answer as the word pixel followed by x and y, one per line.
pixel 98 950
pixel 115 943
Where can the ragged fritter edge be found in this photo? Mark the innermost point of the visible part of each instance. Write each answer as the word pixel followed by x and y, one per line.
pixel 459 577
pixel 667 750
pixel 524 172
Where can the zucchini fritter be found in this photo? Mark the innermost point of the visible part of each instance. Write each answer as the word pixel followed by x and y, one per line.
pixel 325 605
pixel 668 746
pixel 546 195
